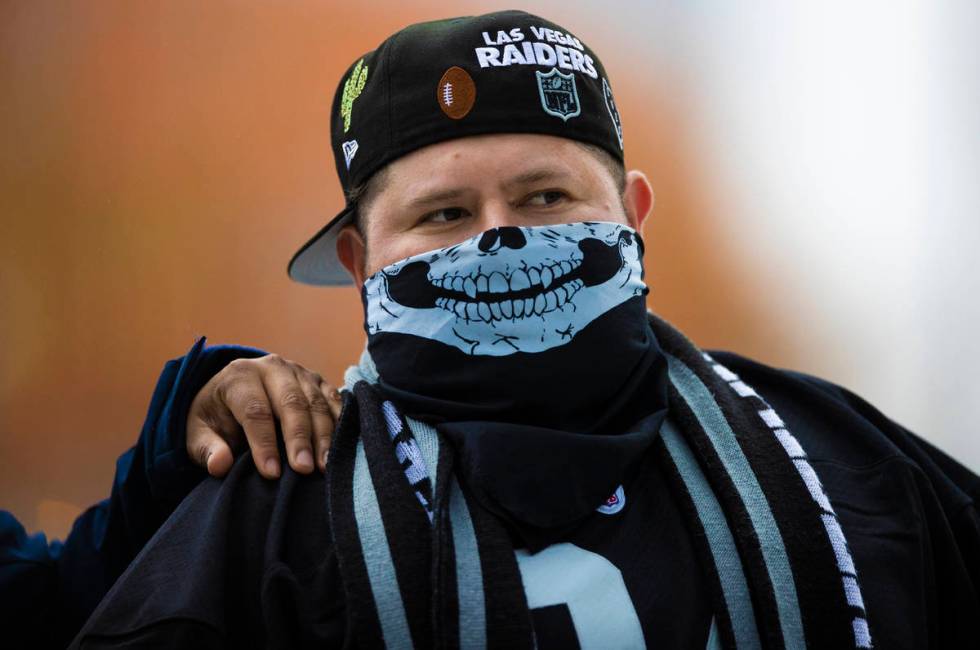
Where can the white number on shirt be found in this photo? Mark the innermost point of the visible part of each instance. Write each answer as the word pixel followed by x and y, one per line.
pixel 591 587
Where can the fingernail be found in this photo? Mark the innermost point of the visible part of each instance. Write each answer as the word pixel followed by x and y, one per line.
pixel 304 458
pixel 325 454
pixel 272 467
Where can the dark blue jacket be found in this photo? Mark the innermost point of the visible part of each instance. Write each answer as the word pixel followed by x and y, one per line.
pixel 48 589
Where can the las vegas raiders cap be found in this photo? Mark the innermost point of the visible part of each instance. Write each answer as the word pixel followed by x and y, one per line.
pixel 504 72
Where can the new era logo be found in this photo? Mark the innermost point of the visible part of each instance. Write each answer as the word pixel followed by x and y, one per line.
pixel 350 148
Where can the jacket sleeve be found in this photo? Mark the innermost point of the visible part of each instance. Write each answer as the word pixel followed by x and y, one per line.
pixel 48 589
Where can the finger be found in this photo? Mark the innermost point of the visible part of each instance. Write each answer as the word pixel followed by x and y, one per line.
pixel 293 408
pixel 220 460
pixel 208 449
pixel 210 430
pixel 245 396
pixel 323 422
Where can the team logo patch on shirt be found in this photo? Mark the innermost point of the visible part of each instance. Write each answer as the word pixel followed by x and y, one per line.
pixel 456 93
pixel 559 96
pixel 615 502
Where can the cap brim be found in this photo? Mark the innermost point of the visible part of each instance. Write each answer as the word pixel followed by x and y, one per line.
pixel 317 262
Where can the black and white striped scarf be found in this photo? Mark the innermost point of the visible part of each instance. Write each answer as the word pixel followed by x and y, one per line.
pixel 426 565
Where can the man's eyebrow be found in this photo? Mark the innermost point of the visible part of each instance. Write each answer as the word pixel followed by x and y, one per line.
pixel 435 197
pixel 526 178
pixel 536 176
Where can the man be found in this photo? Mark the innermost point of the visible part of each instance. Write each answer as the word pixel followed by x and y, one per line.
pixel 525 458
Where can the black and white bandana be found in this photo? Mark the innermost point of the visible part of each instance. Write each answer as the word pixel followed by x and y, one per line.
pixel 536 325
pixel 509 289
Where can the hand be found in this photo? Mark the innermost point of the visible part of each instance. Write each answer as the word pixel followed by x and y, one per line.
pixel 248 396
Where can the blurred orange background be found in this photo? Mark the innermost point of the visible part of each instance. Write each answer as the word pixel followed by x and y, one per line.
pixel 160 162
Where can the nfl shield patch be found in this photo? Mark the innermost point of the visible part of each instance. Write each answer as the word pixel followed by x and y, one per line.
pixel 559 97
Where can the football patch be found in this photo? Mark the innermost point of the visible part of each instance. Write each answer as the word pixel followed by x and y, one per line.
pixel 456 93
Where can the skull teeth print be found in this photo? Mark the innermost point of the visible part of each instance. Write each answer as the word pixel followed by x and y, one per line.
pixel 533 277
pixel 513 309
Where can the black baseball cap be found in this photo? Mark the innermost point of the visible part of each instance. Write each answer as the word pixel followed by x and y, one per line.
pixel 503 72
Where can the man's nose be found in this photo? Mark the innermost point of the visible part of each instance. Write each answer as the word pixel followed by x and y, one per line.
pixel 504 237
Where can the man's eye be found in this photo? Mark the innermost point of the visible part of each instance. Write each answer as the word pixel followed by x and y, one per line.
pixel 547 197
pixel 444 215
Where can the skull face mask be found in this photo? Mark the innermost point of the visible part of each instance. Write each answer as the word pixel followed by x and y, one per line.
pixel 543 324
pixel 509 289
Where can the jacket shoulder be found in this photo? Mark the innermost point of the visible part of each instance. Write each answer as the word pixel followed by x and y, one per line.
pixel 900 501
pixel 837 425
pixel 239 556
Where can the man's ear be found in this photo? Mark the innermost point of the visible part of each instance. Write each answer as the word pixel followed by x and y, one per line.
pixel 352 252
pixel 637 199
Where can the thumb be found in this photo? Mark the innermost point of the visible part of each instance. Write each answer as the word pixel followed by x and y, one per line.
pixel 209 450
